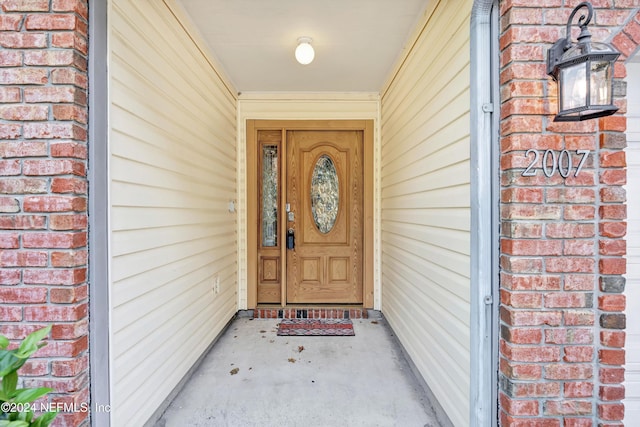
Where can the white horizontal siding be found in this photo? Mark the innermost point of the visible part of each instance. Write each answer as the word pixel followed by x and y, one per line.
pixel 173 173
pixel 425 200
pixel 632 375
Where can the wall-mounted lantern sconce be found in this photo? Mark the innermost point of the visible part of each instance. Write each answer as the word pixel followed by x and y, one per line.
pixel 584 72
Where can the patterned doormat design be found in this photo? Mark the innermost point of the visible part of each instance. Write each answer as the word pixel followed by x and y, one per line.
pixel 316 327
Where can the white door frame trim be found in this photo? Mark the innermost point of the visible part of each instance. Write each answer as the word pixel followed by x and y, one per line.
pixel 98 208
pixel 306 106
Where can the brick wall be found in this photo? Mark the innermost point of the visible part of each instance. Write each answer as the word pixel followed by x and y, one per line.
pixel 43 189
pixel 562 239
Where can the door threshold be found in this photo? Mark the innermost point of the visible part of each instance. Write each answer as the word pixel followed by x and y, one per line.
pixel 315 312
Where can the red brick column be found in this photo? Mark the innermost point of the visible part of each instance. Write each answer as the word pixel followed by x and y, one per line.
pixel 43 191
pixel 562 237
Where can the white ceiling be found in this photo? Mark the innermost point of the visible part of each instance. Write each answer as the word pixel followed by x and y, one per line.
pixel 357 42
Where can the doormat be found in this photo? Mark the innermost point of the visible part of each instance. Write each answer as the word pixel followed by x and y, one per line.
pixel 316 327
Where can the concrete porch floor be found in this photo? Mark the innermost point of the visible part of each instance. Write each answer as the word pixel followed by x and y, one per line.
pixel 302 381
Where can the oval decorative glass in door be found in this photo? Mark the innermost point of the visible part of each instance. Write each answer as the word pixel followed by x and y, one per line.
pixel 325 194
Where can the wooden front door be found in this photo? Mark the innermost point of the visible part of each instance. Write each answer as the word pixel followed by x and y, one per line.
pixel 324 213
pixel 316 179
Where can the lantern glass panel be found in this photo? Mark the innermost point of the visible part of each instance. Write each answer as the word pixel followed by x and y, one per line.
pixel 600 83
pixel 573 81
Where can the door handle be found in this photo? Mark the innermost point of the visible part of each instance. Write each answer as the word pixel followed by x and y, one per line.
pixel 291 239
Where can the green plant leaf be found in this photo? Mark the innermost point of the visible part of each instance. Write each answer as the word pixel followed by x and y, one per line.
pixel 27 395
pixel 14 424
pixel 31 343
pixel 9 362
pixel 44 420
pixel 9 383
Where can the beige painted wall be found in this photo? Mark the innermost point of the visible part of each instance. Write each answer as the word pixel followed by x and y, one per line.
pixel 425 200
pixel 172 176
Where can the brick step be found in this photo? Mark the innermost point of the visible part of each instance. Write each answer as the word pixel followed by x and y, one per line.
pixel 310 313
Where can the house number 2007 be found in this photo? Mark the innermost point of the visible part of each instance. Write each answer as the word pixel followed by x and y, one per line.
pixel 554 161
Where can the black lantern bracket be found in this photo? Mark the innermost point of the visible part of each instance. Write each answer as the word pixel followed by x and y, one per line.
pixel 554 54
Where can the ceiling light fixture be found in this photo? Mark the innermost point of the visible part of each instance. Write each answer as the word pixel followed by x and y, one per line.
pixel 304 51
